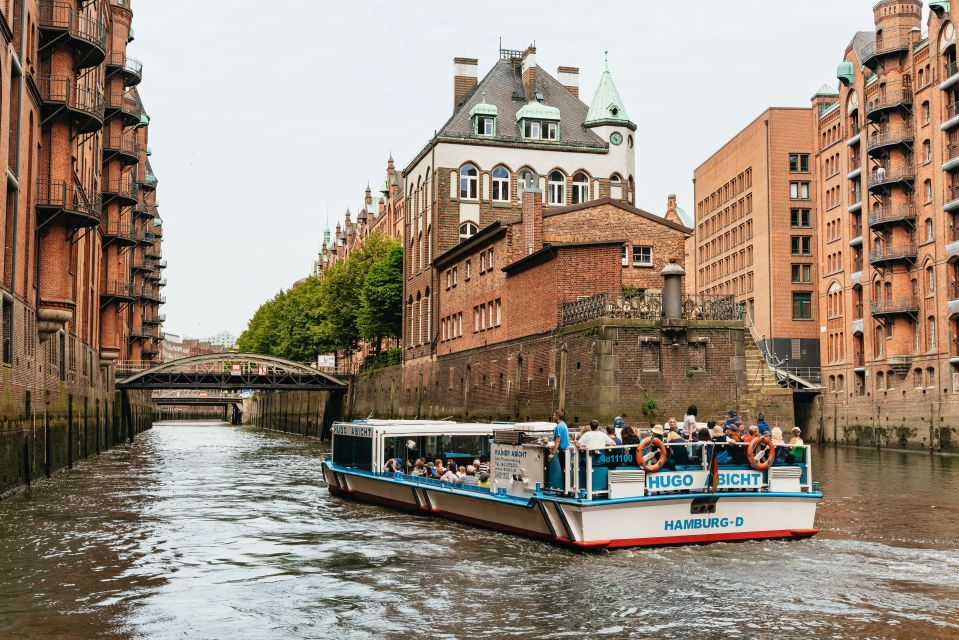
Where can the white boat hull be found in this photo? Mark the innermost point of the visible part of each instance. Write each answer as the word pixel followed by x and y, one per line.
pixel 649 521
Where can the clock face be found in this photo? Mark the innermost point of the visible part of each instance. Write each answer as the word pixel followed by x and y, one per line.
pixel 616 138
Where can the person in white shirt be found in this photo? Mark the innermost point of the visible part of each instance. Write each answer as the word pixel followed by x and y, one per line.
pixel 594 438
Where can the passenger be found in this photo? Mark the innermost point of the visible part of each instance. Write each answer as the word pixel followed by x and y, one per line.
pixel 657 432
pixel 732 419
pixel 689 421
pixel 797 450
pixel 677 453
pixel 611 432
pixel 560 439
pixel 470 478
pixel 762 424
pixel 419 470
pixel 777 438
pixel 392 466
pixel 672 426
pixel 481 466
pixel 619 424
pixel 751 435
pixel 450 474
pixel 460 473
pixel 628 436
pixel 431 470
pixel 594 438
pixel 704 436
pixel 720 439
pixel 483 479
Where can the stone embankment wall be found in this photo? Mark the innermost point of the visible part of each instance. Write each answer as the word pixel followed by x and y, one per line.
pixel 44 431
pixel 308 413
pixel 597 369
pixel 891 422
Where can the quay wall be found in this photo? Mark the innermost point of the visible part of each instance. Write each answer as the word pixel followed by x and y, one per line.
pixel 307 413
pixel 894 420
pixel 597 369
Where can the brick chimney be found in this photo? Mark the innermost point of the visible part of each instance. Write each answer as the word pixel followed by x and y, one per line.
pixel 532 199
pixel 671 214
pixel 464 79
pixel 529 72
pixel 569 78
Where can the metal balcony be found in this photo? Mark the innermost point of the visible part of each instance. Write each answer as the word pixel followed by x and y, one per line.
pixel 151 252
pixel 149 181
pixel 881 180
pixel 892 98
pixel 60 95
pixel 147 238
pixel 856 239
pixel 951 198
pixel 123 105
pixel 891 137
pixel 887 44
pixel 122 189
pixel 161 282
pixel 147 293
pixel 908 305
pixel 950 118
pixel 87 35
pixel 162 264
pixel 59 197
pixel 153 276
pixel 121 233
pixel 950 73
pixel 142 264
pixel 151 346
pixel 854 134
pixel 117 290
pixel 152 320
pixel 123 147
pixel 130 69
pixel 890 215
pixel 905 252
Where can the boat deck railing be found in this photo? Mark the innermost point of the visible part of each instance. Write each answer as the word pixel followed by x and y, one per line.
pixel 577 484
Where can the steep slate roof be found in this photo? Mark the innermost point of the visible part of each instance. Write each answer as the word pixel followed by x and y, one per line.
pixel 860 40
pixel 503 88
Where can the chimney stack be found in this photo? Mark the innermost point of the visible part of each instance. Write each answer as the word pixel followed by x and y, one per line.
pixel 532 199
pixel 569 78
pixel 464 79
pixel 529 72
pixel 671 214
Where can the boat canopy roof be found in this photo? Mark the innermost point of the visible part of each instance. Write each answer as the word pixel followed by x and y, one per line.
pixel 389 428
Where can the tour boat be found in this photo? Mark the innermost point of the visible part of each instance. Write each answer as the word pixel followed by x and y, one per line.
pixel 618 496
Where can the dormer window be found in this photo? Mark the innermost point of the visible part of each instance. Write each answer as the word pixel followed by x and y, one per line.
pixel 538 121
pixel 550 130
pixel 533 129
pixel 484 126
pixel 484 118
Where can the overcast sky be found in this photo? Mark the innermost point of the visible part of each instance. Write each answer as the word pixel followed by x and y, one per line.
pixel 267 115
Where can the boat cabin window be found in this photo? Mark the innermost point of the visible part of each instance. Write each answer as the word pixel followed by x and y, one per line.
pixel 461 447
pixel 353 451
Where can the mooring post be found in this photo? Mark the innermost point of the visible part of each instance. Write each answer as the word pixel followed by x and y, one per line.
pixel 127 411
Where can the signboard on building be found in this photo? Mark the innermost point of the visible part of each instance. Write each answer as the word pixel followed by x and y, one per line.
pixel 326 361
pixel 262 370
pixel 236 369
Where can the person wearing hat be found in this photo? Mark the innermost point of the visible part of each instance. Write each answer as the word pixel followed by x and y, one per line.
pixel 658 431
pixel 618 424
pixel 595 438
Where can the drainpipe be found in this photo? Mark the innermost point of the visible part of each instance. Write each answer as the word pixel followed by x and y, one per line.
pixel 769 244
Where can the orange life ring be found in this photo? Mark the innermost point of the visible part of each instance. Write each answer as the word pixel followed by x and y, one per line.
pixel 654 465
pixel 751 453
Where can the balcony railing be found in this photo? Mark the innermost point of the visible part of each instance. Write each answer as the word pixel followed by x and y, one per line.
pixel 856 230
pixel 892 214
pixel 888 43
pixel 855 163
pixel 950 69
pixel 123 188
pixel 120 231
pixel 905 251
pixel 891 136
pixel 130 68
pixel 649 307
pixel 952 150
pixel 854 129
pixel 902 304
pixel 60 196
pixel 891 97
pixel 84 103
pixel 125 104
pixel 117 289
pixel 124 145
pixel 857 264
pixel 950 111
pixel 953 233
pixel 88 34
pixel 887 176
pixel 857 311
pixel 952 193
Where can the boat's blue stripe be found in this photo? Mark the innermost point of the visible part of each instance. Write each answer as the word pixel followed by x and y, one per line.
pixel 531 502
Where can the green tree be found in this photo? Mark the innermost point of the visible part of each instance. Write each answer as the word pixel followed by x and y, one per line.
pixel 381 300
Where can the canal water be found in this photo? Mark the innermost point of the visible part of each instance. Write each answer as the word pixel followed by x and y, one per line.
pixel 209 531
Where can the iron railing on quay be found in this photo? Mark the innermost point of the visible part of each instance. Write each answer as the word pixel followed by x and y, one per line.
pixel 649 306
pixel 383 359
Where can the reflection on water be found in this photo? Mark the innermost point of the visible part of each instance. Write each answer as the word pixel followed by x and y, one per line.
pixel 209 531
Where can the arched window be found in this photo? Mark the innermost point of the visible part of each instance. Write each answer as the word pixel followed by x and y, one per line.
pixel 557 188
pixel 930 376
pixel 917 377
pixel 468 182
pixel 616 187
pixel 419 319
pixel 429 244
pixel 412 320
pixel 467 231
pixel 880 381
pixel 580 188
pixel 500 184
pixel 428 336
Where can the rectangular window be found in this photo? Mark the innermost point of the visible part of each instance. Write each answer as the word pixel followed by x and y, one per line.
pixel 801 245
pixel 449 278
pixel 499 312
pixel 802 273
pixel 802 306
pixel 550 130
pixel 484 126
pixel 482 261
pixel 489 309
pixel 469 270
pixel 482 316
pixel 475 319
pixel 799 218
pixel 454 276
pixel 625 256
pixel 532 129
pixel 642 256
pixel 489 258
pixel 799 191
pixel 798 163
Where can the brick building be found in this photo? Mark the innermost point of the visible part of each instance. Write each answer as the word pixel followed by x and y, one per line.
pixel 517 123
pixel 756 232
pixel 80 276
pixel 512 279
pixel 889 148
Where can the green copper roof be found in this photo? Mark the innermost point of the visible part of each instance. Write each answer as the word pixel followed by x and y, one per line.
pixel 157 222
pixel 826 90
pixel 846 72
pixel 939 7
pixel 483 109
pixel 144 119
pixel 149 151
pixel 606 104
pixel 826 109
pixel 537 111
pixel 130 36
pixel 871 80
